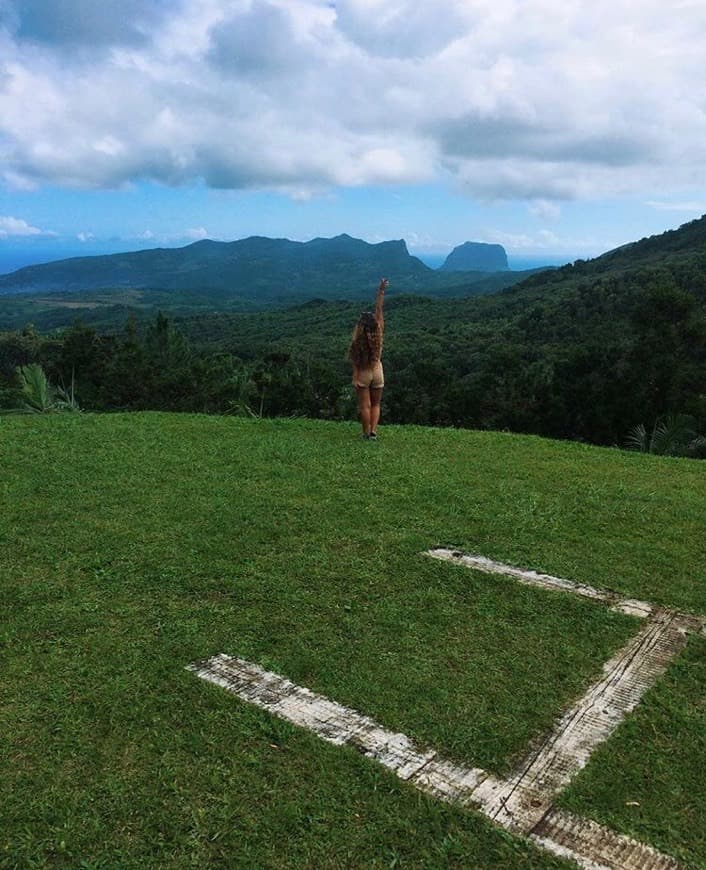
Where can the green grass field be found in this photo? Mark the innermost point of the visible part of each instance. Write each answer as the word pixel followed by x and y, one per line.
pixel 135 544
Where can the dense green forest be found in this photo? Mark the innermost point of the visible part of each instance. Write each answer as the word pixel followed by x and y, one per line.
pixel 588 352
pixel 108 309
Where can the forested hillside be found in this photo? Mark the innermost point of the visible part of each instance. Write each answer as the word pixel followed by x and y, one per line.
pixel 256 272
pixel 108 310
pixel 588 351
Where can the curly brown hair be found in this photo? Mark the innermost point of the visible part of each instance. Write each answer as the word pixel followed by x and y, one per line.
pixel 366 341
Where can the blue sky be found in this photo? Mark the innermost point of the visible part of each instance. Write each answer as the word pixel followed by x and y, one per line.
pixel 558 128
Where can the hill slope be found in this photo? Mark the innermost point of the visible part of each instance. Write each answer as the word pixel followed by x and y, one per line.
pixel 257 269
pixel 589 351
pixel 296 545
pixel 260 266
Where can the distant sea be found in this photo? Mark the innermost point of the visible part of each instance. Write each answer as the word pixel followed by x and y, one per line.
pixel 18 256
pixel 517 264
pixel 11 260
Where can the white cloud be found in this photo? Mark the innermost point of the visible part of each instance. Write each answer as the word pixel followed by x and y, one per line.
pixel 398 28
pixel 545 210
pixel 15 227
pixel 424 242
pixel 695 207
pixel 544 100
pixel 515 241
pixel 544 241
pixel 82 22
pixel 195 234
pixel 85 237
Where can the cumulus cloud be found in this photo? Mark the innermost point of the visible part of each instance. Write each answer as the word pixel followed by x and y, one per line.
pixel 16 227
pixel 544 241
pixel 540 100
pixel 545 210
pixel 76 22
pixel 691 206
pixel 398 28
pixel 195 234
pixel 261 41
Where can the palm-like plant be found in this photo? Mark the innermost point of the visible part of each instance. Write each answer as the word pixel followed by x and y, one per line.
pixel 67 397
pixel 244 386
pixel 638 439
pixel 673 435
pixel 40 395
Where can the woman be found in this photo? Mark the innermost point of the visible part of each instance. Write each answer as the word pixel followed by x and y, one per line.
pixel 365 353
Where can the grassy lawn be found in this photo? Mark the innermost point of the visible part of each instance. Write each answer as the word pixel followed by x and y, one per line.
pixel 134 544
pixel 648 780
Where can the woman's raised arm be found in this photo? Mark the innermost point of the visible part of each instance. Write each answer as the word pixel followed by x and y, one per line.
pixel 378 302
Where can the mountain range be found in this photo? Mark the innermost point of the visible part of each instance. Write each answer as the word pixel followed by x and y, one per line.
pixel 257 267
pixel 265 269
pixel 591 350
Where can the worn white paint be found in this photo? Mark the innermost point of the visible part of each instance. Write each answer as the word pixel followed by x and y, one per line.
pixel 330 721
pixel 544 581
pixel 508 802
pixel 548 768
pixel 524 801
pixel 686 622
pixel 594 846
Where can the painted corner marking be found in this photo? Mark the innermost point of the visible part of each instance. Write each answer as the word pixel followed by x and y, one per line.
pixel 688 623
pixel 544 581
pixel 523 803
pixel 332 722
pixel 547 770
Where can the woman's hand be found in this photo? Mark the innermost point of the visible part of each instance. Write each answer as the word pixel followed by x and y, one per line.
pixel 383 284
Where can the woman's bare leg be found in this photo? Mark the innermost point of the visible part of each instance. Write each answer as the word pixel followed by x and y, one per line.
pixel 375 400
pixel 364 408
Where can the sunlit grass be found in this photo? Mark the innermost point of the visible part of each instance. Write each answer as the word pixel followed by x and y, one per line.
pixel 648 780
pixel 134 544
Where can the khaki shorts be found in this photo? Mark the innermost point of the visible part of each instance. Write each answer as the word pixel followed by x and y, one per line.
pixel 372 377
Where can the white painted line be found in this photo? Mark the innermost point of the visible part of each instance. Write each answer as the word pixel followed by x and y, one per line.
pixel 530 791
pixel 335 723
pixel 560 833
pixel 522 803
pixel 451 782
pixel 544 581
pixel 595 846
pixel 687 622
